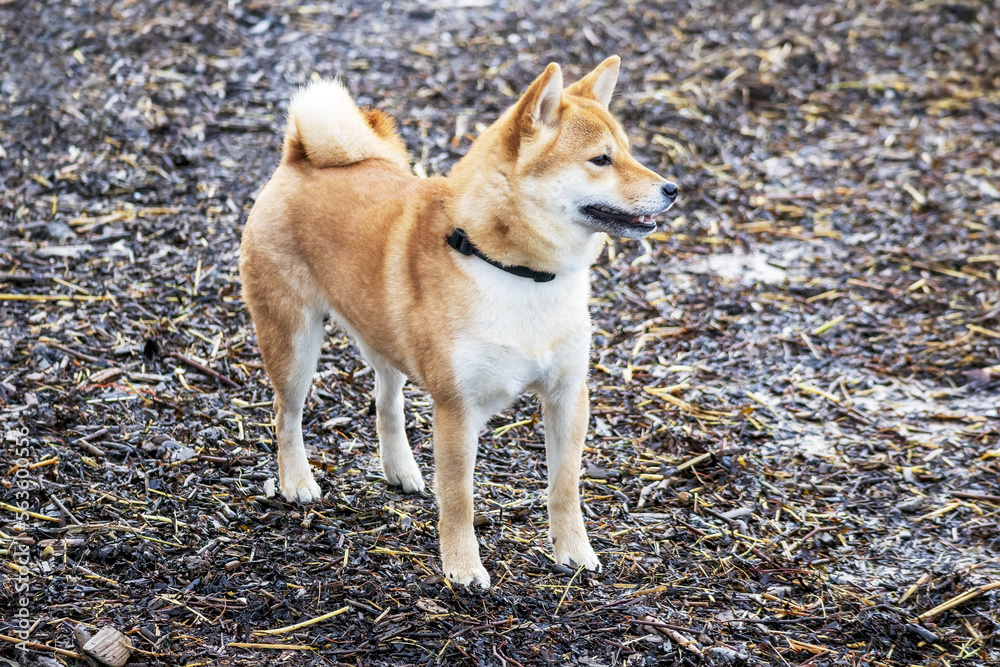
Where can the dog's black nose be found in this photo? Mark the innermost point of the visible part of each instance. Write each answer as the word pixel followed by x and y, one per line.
pixel 670 190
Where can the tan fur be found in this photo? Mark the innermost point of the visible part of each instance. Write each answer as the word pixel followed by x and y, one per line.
pixel 328 130
pixel 344 227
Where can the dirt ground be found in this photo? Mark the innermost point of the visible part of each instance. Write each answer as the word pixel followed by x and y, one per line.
pixel 794 455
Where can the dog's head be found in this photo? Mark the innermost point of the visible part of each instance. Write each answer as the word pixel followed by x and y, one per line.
pixel 569 159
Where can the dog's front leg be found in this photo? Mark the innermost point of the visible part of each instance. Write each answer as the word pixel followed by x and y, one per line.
pixel 455 440
pixel 566 413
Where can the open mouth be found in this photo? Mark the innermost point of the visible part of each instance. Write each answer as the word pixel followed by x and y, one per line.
pixel 617 217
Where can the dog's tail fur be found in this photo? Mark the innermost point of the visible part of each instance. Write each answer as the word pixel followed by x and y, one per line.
pixel 326 129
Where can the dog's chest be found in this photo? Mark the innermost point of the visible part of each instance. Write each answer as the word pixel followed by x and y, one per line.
pixel 520 334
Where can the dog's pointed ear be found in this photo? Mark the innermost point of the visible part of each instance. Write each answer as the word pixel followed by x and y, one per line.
pixel 599 84
pixel 540 105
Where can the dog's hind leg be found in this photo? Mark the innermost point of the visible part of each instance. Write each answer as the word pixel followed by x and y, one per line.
pixel 289 334
pixel 398 465
pixel 294 473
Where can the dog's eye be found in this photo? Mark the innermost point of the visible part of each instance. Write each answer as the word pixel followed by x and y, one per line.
pixel 601 160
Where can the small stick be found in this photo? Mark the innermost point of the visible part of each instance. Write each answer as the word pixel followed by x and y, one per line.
pixel 668 630
pixel 52 297
pixel 47 462
pixel 803 646
pixel 950 507
pixel 969 495
pixel 687 643
pixel 33 515
pixel 204 369
pixel 24 539
pixel 924 578
pixel 809 389
pixel 568 586
pixel 95 435
pixel 41 647
pixel 958 599
pixel 93 449
pixel 695 461
pixel 393 552
pixel 778 621
pixel 799 542
pixel 820 330
pixel 810 345
pixel 69 350
pixel 652 623
pixel 719 515
pixel 982 330
pixel 24 277
pixel 178 603
pixel 87 572
pixel 66 512
pixel 41 464
pixel 303 624
pixel 282 647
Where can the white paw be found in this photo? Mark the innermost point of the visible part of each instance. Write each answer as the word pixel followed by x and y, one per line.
pixel 403 472
pixel 300 488
pixel 575 555
pixel 472 573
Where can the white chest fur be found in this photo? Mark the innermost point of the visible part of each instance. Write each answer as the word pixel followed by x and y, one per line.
pixel 520 334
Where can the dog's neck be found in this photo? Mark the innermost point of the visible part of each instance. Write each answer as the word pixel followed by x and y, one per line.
pixel 482 203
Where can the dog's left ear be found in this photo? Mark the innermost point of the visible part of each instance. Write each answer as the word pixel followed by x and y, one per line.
pixel 599 84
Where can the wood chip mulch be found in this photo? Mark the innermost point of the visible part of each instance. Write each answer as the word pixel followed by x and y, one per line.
pixel 794 456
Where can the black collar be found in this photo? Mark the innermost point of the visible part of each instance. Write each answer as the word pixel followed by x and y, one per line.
pixel 460 242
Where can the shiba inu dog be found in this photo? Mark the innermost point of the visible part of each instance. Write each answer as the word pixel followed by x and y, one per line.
pixel 475 286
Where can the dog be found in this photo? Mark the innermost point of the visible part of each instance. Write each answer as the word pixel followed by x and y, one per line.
pixel 475 286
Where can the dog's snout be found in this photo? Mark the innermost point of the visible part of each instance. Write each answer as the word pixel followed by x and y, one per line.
pixel 669 190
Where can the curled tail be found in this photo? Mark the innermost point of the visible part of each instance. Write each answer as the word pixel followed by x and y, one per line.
pixel 326 129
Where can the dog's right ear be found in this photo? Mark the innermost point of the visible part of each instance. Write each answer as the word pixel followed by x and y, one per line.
pixel 540 107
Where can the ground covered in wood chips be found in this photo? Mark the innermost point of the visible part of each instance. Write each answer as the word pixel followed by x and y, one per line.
pixel 794 453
